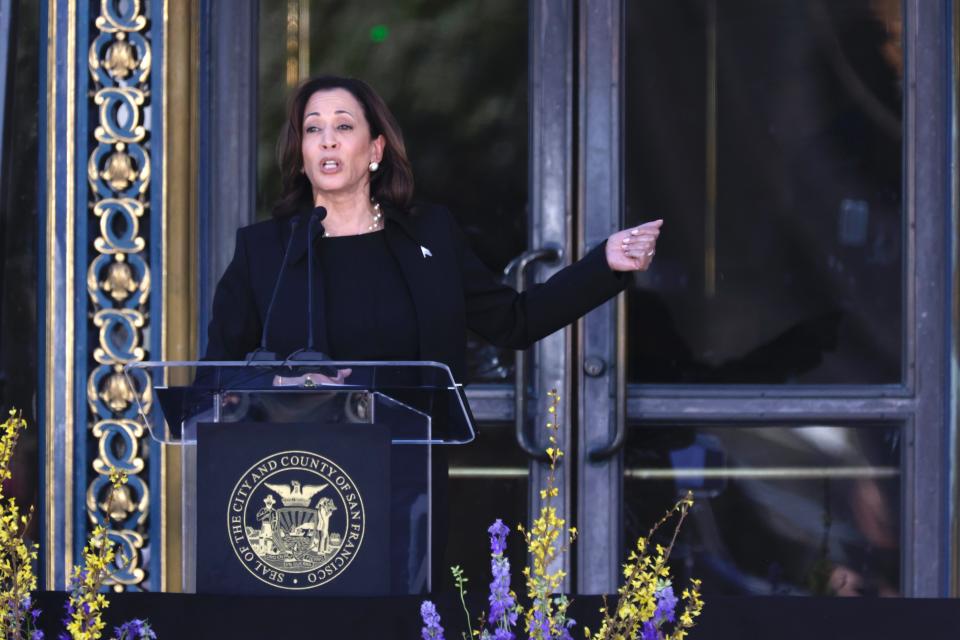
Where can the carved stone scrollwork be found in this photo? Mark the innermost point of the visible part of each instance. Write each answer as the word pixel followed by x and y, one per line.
pixel 118 281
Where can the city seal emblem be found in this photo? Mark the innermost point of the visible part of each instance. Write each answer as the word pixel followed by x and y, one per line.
pixel 295 520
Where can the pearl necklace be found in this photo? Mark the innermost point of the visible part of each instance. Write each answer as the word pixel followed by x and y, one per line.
pixel 374 226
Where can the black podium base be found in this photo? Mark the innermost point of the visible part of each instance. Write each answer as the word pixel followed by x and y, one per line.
pixel 257 617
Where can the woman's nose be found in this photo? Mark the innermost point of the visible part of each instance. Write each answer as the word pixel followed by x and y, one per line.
pixel 327 140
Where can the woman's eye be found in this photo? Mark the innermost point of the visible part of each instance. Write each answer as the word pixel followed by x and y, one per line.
pixel 345 127
pixel 312 129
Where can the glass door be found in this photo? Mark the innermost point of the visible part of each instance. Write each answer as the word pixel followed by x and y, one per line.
pixel 767 361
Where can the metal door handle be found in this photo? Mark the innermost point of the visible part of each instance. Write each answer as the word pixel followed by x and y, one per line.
pixel 607 451
pixel 518 267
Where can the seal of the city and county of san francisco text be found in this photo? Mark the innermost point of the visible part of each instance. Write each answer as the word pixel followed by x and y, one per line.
pixel 295 520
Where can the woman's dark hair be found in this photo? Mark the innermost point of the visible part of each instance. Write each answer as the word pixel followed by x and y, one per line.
pixel 391 184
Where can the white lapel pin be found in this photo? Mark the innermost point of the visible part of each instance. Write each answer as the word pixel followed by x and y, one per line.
pixel 426 252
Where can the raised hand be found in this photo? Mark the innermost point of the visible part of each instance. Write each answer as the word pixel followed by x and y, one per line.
pixel 633 249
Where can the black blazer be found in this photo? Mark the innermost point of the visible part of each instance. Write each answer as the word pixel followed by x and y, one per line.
pixel 452 291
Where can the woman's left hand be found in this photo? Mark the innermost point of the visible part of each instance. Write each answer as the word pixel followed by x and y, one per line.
pixel 312 379
pixel 633 249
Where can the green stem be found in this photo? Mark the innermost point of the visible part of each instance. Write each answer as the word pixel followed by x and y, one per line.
pixel 459 580
pixel 466 611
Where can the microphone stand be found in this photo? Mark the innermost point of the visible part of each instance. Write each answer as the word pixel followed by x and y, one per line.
pixel 309 353
pixel 261 354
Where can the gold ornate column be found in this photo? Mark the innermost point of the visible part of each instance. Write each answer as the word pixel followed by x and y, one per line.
pixel 120 63
pixel 118 267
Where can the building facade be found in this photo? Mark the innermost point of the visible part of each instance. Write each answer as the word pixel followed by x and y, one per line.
pixel 791 357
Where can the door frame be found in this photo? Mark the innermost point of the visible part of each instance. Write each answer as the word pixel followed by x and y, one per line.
pixel 920 405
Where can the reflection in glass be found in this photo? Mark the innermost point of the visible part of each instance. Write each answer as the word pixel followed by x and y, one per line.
pixel 454 73
pixel 488 480
pixel 798 510
pixel 18 250
pixel 768 135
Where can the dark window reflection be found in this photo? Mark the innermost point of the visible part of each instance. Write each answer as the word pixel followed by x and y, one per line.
pixel 801 510
pixel 768 135
pixel 455 75
pixel 18 260
pixel 488 480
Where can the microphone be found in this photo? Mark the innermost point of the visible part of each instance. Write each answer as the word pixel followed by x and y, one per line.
pixel 316 217
pixel 261 353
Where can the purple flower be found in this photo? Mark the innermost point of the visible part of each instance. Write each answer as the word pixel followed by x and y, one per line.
pixel 36 635
pixel 539 622
pixel 498 537
pixel 502 605
pixel 649 631
pixel 69 608
pixel 501 601
pixel 135 630
pixel 666 605
pixel 431 622
pixel 132 627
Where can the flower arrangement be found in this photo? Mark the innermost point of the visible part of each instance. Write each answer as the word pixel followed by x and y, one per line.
pixel 18 616
pixel 546 617
pixel 647 605
pixel 646 608
pixel 86 602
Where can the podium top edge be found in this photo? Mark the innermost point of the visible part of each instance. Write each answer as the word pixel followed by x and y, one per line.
pixel 146 364
pixel 298 364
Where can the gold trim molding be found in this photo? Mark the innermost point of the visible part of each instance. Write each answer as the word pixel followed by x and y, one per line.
pixel 118 279
pixel 180 289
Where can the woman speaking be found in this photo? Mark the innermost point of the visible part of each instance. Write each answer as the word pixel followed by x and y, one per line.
pixel 389 279
pixel 393 280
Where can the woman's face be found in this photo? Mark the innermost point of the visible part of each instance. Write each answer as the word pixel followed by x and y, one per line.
pixel 337 148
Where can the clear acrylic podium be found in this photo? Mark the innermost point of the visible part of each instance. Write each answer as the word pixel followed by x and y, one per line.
pixel 419 404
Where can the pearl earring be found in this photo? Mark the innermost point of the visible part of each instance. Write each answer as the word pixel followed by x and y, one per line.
pixel 374 166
